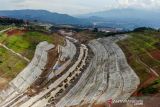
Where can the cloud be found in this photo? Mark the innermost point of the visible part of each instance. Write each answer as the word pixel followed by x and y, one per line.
pixel 142 4
pixel 79 6
pixel 68 6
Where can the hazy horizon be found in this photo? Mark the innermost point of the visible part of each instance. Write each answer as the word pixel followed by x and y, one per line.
pixel 75 7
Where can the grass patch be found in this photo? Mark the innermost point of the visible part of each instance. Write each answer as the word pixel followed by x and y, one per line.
pixel 10 64
pixel 3 27
pixel 26 43
pixel 153 88
pixel 137 48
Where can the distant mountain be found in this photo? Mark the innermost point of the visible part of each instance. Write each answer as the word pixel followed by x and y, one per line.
pixel 117 18
pixel 127 18
pixel 44 16
pixel 125 13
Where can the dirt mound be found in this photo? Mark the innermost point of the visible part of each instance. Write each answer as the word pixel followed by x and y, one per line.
pixel 3 83
pixel 15 32
pixel 156 54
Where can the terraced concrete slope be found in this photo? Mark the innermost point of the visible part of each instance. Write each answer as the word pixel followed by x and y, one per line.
pixel 60 85
pixel 107 77
pixel 24 79
pixel 88 74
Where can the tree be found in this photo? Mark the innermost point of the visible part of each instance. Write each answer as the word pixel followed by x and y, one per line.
pixel 95 30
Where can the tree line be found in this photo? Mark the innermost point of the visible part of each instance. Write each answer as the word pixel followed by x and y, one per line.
pixel 9 21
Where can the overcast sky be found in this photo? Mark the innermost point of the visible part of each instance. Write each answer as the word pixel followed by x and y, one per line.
pixel 74 7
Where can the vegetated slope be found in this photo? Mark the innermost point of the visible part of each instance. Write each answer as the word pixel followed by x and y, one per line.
pixel 10 66
pixel 44 16
pixel 24 42
pixel 142 49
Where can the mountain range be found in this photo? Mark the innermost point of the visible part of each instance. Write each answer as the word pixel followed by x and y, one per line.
pixel 125 18
pixel 121 18
pixel 43 16
pixel 125 13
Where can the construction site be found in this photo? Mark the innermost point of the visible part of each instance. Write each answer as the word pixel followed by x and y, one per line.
pixel 72 73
